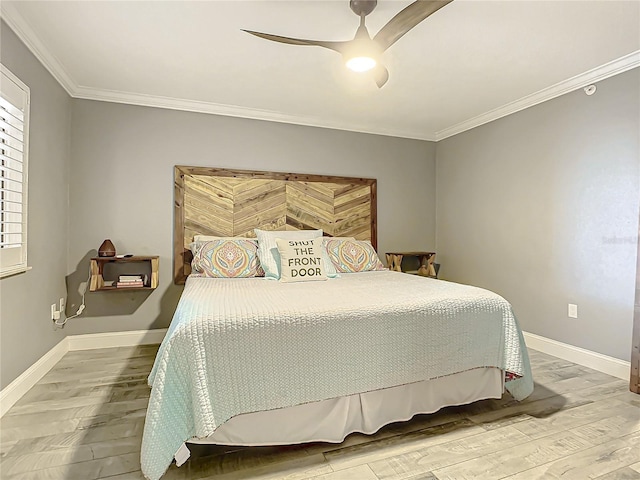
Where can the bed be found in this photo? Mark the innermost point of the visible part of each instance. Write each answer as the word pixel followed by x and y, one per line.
pixel 251 361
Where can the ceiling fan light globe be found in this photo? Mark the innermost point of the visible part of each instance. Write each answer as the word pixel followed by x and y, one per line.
pixel 361 64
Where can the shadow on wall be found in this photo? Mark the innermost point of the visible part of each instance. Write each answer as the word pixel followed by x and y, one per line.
pixel 114 303
pixel 168 304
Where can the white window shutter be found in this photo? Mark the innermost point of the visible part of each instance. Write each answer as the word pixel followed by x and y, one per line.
pixel 14 126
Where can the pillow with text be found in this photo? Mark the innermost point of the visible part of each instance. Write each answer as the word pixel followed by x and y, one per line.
pixel 301 260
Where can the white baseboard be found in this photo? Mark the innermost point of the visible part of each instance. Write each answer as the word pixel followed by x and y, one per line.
pixel 116 339
pixel 21 385
pixel 603 363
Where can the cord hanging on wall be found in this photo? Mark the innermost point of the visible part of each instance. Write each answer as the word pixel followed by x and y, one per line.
pixel 82 291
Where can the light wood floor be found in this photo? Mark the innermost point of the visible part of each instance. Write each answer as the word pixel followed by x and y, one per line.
pixel 84 421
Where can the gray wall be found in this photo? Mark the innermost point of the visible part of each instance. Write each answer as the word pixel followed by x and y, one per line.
pixel 121 187
pixel 542 207
pixel 26 331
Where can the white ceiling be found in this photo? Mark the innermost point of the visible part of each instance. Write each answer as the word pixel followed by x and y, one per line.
pixel 469 63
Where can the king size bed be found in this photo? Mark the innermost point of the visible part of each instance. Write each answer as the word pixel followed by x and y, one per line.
pixel 260 361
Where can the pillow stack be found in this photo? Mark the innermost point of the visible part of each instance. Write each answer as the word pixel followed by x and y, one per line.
pixel 289 256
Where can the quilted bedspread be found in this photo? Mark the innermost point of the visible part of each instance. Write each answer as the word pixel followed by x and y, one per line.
pixel 245 345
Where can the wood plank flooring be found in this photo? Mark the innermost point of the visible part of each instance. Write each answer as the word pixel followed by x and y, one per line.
pixel 84 421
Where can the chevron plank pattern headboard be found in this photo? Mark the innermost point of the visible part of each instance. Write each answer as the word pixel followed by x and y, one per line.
pixel 229 203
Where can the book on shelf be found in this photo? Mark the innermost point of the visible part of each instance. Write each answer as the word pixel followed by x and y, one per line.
pixel 137 284
pixel 133 278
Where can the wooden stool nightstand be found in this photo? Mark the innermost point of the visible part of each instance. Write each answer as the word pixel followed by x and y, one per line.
pixel 426 269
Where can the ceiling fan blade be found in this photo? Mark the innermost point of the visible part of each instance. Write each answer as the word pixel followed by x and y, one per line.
pixel 335 46
pixel 380 75
pixel 405 20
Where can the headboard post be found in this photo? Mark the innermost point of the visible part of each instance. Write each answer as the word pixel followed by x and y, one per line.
pixel 179 260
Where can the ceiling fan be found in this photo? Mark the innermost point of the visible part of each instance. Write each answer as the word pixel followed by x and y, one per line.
pixel 363 53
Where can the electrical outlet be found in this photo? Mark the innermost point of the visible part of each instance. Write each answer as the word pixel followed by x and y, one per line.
pixel 62 304
pixel 53 311
pixel 573 311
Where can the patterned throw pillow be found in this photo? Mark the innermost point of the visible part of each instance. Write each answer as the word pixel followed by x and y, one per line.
pixel 225 258
pixel 351 256
pixel 301 260
pixel 267 248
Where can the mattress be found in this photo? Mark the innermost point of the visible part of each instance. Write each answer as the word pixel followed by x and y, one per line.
pixel 237 346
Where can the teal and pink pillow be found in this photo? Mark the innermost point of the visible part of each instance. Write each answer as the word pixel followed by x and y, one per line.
pixel 352 256
pixel 226 258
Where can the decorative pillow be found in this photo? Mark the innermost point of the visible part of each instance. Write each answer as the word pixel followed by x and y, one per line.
pixel 351 256
pixel 329 267
pixel 328 264
pixel 301 260
pixel 268 249
pixel 208 238
pixel 225 258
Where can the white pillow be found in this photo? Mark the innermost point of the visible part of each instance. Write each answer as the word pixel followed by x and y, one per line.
pixel 301 260
pixel 268 249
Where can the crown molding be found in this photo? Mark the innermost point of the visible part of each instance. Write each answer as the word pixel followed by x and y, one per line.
pixel 236 111
pixel 25 33
pixel 53 65
pixel 597 74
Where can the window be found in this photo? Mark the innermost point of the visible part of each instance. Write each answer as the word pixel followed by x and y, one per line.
pixel 14 123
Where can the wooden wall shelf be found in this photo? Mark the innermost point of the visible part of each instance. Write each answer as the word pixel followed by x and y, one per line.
pixel 105 272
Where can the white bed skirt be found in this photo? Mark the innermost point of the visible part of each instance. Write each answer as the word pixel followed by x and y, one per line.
pixel 332 420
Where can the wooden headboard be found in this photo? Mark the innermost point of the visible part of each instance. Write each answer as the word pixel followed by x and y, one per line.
pixel 230 203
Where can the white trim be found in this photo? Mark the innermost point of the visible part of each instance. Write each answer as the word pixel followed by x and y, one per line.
pixel 603 363
pixel 210 108
pixel 55 67
pixel 21 385
pixel 597 74
pixel 14 271
pixel 131 338
pixel 25 33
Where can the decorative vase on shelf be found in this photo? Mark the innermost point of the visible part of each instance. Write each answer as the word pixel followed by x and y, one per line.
pixel 107 249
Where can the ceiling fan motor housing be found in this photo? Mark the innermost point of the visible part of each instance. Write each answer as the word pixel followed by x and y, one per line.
pixel 363 7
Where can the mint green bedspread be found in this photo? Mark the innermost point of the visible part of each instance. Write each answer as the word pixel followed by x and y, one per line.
pixel 245 345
